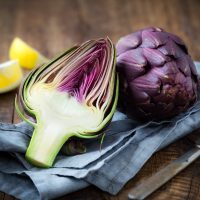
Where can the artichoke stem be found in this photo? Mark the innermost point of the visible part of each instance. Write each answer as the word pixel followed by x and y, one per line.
pixel 44 146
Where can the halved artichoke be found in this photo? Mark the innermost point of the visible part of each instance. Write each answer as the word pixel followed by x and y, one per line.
pixel 73 95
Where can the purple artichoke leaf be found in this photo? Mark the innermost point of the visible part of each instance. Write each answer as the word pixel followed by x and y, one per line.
pixel 128 42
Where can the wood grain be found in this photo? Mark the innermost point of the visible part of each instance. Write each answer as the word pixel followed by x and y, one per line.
pixel 51 26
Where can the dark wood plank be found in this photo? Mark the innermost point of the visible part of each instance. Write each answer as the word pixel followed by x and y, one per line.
pixel 8 197
pixel 2 195
pixel 51 27
pixel 7 33
pixel 7 27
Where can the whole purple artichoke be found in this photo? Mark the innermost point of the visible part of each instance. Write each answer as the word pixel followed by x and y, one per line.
pixel 158 77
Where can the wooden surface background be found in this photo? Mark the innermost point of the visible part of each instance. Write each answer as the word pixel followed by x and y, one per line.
pixel 53 25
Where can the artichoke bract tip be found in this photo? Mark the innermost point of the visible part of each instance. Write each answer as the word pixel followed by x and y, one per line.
pixel 158 78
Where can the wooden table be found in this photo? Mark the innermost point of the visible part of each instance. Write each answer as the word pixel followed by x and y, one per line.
pixel 51 26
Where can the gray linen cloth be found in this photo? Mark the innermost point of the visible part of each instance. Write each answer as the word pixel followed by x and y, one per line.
pixel 127 146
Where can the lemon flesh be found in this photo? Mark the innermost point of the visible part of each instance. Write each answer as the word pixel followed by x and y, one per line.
pixel 28 57
pixel 10 75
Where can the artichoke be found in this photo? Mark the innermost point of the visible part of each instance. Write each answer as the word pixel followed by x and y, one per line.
pixel 158 78
pixel 73 95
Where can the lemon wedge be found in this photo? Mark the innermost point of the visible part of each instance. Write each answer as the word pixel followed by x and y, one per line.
pixel 28 57
pixel 10 75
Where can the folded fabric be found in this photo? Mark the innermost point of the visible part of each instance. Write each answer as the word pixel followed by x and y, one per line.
pixel 127 146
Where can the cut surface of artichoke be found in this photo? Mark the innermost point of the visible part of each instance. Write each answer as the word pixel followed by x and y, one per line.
pixel 58 121
pixel 67 113
pixel 74 95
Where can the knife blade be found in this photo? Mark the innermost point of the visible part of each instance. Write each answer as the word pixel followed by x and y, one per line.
pixel 150 185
